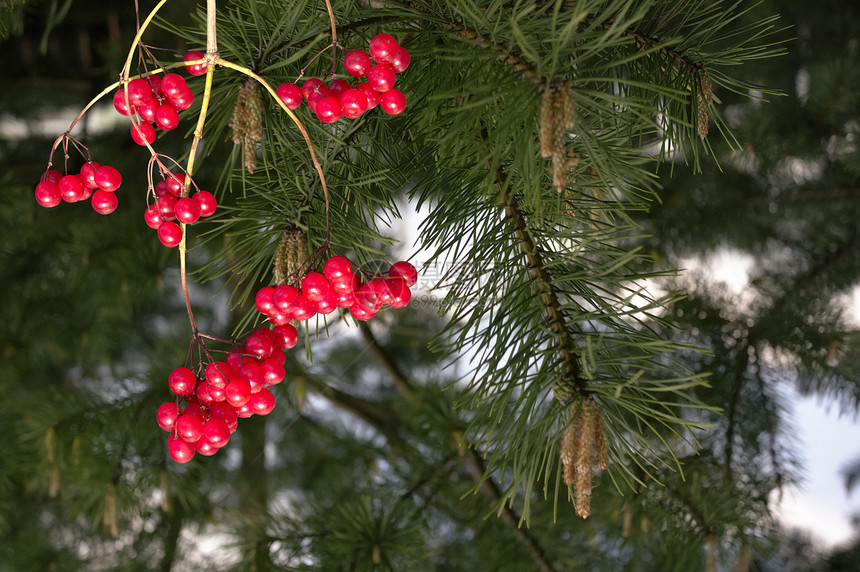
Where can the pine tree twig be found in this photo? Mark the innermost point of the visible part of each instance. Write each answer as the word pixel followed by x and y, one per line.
pixel 397 376
pixel 571 381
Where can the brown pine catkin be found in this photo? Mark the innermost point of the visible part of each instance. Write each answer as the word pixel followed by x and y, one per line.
pixel 583 448
pixel 557 117
pixel 247 122
pixel 704 99
pixel 290 255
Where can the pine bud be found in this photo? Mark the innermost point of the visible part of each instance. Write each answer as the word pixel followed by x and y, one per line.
pixel 557 117
pixel 704 99
pixel 247 122
pixel 583 448
pixel 290 256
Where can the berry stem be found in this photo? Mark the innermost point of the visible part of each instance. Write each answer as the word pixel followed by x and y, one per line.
pixel 334 43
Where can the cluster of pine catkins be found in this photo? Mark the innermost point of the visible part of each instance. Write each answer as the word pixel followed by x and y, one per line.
pixel 557 117
pixel 704 99
pixel 290 256
pixel 584 447
pixel 247 122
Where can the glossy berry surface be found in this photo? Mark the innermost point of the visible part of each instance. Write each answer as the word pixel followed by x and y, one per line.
pixel 104 202
pixel 169 234
pixel 139 92
pixel 187 210
pixel 381 77
pixel 357 63
pixel 166 117
pixel 173 84
pixel 195 69
pixel 181 381
pixel 143 133
pixel 206 201
pixel 48 194
pixel 290 94
pixel 88 175
pixel 180 451
pixel 392 102
pixel 353 103
pixel 383 47
pixel 400 61
pixel 71 188
pixel 107 178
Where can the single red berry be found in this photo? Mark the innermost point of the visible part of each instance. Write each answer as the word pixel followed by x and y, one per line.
pixel 182 101
pixel 316 96
pixel 290 94
pixel 187 210
pixel 180 451
pixel 182 381
pixel 381 77
pixel 368 296
pixel 48 194
pixel 189 427
pixel 361 313
pixel 193 406
pixel 314 286
pixel 238 392
pixel 167 207
pixel 328 109
pixel 173 84
pixel 155 82
pixel 310 86
pixel 146 111
pixel 72 188
pixel 392 102
pixel 152 217
pixel 107 178
pixel 357 63
pixel 264 300
pixel 169 234
pixel 286 336
pixel 262 403
pixel 400 294
pixel 206 201
pixel 327 304
pixel 166 416
pixel 383 47
pixel 303 309
pixel 349 283
pixel 353 103
pixel 120 104
pixel 202 393
pixel 245 411
pixel 273 369
pixel 345 299
pixel 88 175
pixel 52 176
pixel 218 373
pixel 260 345
pixel 195 69
pixel 205 448
pixel 226 412
pixel 166 117
pixel 143 133
pixel 337 268
pixel 216 393
pixel 405 271
pixel 104 202
pixel 253 374
pixel 339 86
pixel 175 183
pixel 400 60
pixel 285 298
pixel 139 92
pixel 216 431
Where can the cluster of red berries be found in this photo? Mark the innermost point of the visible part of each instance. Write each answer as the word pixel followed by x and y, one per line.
pixel 95 181
pixel 157 100
pixel 170 206
pixel 340 99
pixel 227 390
pixel 337 286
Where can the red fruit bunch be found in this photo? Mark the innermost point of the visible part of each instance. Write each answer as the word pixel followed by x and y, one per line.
pixel 337 286
pixel 156 101
pixel 341 99
pixel 207 407
pixel 95 182
pixel 171 208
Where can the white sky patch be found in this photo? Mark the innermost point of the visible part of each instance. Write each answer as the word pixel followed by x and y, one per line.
pixel 726 265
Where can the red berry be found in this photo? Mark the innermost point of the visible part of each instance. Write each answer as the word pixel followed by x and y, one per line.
pixel 264 300
pixel 182 381
pixel 88 175
pixel 71 188
pixel 371 95
pixel 286 336
pixel 328 109
pixel 314 286
pixel 368 296
pixel 167 207
pixel 52 176
pixel 189 427
pixel 216 432
pixel 347 284
pixel 175 183
pixel 353 103
pixel 180 451
pixel 303 309
pixel 173 84
pixel 107 178
pixel 361 313
pixel 205 448
pixel 182 101
pixel 285 298
pixel 345 299
pixel 337 268
pixel 166 117
pixel 392 102
pixel 327 304
pixel 166 416
pixel 218 373
pixel 400 294
pixel 381 77
pixel 273 370
pixel 405 271
pixel 400 60
pixel 216 393
pixel 120 105
pixel 310 86
pixel 147 110
pixel 104 202
pixel 238 392
pixel 226 412
pixel 153 217
pixel 339 86
pixel 260 345
pixel 155 82
pixel 48 194
pixel 383 47
pixel 195 69
pixel 169 234
pixel 202 394
pixel 290 94
pixel 206 201
pixel 262 403
pixel 139 92
pixel 357 63
pixel 187 210
pixel 143 133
